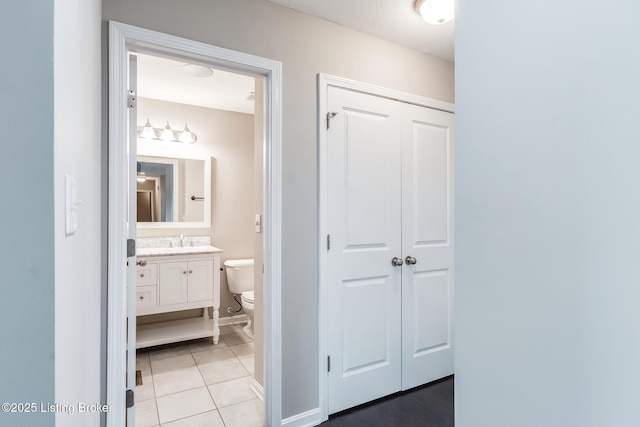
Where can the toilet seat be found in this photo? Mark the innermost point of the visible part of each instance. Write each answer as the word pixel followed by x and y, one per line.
pixel 247 297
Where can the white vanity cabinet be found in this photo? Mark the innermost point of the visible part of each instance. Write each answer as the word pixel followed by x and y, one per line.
pixel 168 283
pixel 183 282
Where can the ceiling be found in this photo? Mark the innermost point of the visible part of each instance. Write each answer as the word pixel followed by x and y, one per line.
pixel 393 20
pixel 166 80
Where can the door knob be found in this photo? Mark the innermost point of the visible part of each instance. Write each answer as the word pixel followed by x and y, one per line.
pixel 396 262
pixel 142 262
pixel 410 260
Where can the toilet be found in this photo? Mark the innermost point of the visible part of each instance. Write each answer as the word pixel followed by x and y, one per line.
pixel 240 282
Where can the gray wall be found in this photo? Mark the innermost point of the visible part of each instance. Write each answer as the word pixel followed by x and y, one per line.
pixel 547 213
pixel 306 46
pixel 26 217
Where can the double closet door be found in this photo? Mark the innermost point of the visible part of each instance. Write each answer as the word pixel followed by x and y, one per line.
pixel 390 258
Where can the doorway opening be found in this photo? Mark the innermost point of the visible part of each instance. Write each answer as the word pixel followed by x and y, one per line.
pixel 205 219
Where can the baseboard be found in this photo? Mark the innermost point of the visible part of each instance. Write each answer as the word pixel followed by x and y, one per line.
pixel 257 388
pixel 305 419
pixel 232 320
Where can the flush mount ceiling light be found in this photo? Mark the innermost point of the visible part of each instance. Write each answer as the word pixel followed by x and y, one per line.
pixel 167 134
pixel 197 70
pixel 435 12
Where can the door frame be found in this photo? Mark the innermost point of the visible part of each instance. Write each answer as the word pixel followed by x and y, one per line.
pixel 325 81
pixel 122 39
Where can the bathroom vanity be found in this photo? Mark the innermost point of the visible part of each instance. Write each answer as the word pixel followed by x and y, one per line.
pixel 172 279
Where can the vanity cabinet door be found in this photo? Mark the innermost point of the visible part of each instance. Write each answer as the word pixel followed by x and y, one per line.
pixel 200 280
pixel 173 282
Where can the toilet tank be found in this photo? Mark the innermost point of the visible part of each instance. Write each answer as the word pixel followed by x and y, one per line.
pixel 239 275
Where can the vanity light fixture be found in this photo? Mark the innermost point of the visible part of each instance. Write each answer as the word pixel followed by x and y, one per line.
pixel 147 131
pixel 167 134
pixel 251 97
pixel 187 136
pixel 435 12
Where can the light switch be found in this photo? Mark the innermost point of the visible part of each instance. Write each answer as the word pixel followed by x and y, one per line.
pixel 258 223
pixel 72 205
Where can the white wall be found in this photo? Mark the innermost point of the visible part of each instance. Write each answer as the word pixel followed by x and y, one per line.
pixel 78 279
pixel 306 46
pixel 26 217
pixel 547 213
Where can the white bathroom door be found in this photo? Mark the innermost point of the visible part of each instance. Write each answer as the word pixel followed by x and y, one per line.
pixel 427 240
pixel 131 235
pixel 364 215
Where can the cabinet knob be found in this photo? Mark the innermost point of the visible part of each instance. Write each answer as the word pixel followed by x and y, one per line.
pixel 411 260
pixel 141 297
pixel 142 262
pixel 184 272
pixel 141 274
pixel 190 271
pixel 396 262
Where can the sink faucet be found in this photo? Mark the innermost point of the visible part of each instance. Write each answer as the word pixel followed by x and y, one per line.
pixel 183 240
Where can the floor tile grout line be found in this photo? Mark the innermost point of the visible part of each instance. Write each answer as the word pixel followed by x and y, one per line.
pixel 191 353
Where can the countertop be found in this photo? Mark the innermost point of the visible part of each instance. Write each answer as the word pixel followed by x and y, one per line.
pixel 186 250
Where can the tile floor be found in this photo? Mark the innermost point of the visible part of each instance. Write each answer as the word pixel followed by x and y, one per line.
pixel 196 383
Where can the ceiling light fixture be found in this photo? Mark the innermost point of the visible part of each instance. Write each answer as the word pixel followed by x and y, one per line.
pixel 197 70
pixel 167 134
pixel 435 12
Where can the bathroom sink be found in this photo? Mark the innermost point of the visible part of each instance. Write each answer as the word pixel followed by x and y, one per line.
pixel 186 250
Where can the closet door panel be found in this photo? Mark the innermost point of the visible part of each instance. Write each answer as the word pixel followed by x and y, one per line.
pixel 431 293
pixel 427 237
pixel 364 289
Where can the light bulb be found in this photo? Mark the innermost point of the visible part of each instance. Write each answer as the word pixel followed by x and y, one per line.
pixel 147 131
pixel 167 133
pixel 187 136
pixel 436 12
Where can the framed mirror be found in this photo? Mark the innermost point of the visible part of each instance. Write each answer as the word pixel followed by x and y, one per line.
pixel 173 192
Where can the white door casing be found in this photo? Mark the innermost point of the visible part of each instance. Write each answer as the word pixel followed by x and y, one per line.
pixel 124 39
pixel 388 145
pixel 131 221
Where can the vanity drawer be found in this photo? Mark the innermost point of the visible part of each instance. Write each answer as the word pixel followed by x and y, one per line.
pixel 147 275
pixel 146 296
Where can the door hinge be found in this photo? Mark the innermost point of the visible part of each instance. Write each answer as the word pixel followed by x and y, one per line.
pixel 328 241
pixel 330 115
pixel 130 399
pixel 131 248
pixel 131 99
pixel 328 363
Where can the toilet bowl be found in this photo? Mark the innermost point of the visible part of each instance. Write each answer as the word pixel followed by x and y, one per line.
pixel 247 305
pixel 240 282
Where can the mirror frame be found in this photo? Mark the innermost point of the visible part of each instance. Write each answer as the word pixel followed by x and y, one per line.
pixel 207 192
